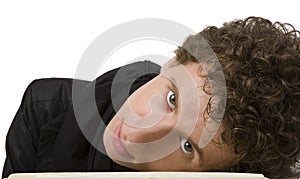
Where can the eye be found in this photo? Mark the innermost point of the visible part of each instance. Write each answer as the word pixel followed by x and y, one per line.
pixel 186 146
pixel 171 99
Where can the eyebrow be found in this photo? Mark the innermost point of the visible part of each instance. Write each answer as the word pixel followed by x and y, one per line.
pixel 174 83
pixel 199 151
pixel 174 86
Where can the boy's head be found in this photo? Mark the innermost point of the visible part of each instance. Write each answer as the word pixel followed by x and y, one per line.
pixel 260 130
pixel 160 125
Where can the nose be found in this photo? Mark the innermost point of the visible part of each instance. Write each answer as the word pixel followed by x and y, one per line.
pixel 146 114
pixel 142 126
pixel 145 135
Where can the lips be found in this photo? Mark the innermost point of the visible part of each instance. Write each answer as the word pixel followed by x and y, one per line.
pixel 118 144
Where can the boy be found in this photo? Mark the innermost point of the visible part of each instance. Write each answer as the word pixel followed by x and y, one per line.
pixel 259 132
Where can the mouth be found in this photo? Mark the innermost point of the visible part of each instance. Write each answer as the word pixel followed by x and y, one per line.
pixel 118 143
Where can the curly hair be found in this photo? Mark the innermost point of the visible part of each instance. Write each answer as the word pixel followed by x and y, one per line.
pixel 261 65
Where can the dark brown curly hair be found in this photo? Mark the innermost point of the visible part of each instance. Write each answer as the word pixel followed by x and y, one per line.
pixel 261 65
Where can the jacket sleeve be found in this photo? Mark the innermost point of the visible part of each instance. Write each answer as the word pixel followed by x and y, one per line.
pixel 21 140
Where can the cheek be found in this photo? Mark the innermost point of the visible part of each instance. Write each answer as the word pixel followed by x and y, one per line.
pixel 139 100
pixel 113 124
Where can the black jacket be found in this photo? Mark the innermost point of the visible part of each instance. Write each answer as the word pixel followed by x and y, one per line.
pixel 44 135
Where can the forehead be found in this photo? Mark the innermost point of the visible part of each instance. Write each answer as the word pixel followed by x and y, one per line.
pixel 173 69
pixel 214 154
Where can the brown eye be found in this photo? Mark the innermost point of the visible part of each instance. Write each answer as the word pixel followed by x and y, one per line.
pixel 186 146
pixel 171 99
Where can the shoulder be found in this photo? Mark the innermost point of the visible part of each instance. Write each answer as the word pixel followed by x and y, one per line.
pixel 47 89
pixel 129 71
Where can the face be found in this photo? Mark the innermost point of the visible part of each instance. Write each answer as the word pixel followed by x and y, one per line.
pixel 155 129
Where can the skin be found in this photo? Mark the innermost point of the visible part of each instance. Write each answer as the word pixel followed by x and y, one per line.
pixel 185 157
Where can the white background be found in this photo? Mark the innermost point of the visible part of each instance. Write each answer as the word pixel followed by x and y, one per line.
pixel 41 39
